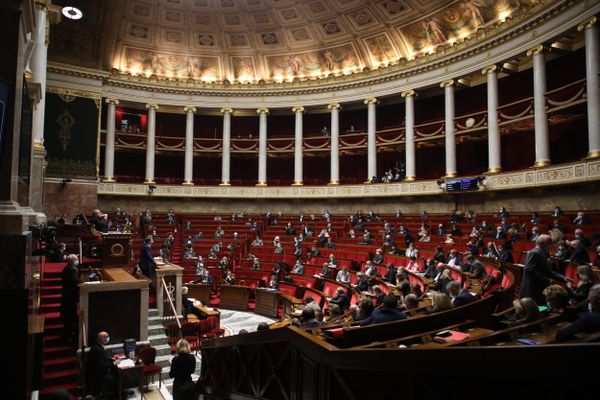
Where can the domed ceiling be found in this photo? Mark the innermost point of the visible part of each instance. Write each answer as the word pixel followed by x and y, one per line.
pixel 270 40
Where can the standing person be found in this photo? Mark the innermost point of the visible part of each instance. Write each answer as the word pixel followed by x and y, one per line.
pixel 537 273
pixel 70 298
pixel 183 366
pixel 147 262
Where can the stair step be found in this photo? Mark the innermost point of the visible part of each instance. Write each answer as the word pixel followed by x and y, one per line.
pixel 61 363
pixel 61 376
pixel 72 387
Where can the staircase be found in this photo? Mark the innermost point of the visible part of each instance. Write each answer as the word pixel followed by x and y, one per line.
pixel 158 340
pixel 60 363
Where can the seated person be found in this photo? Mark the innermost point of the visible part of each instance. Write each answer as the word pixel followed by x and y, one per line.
pixel 583 240
pixel 187 306
pixel 587 278
pixel 100 368
pixel 388 312
pixel 412 265
pixel 262 326
pixel 580 219
pixel 411 302
pixel 309 318
pixel 411 251
pixel 454 259
pixel 391 274
pixel 378 294
pixel 526 310
pixel 329 244
pixel 491 251
pixel 459 296
pixel 424 237
pixel 311 303
pixel 257 242
pixel 371 269
pixel 378 257
pixel 587 322
pixel 229 278
pixel 366 238
pixel 273 283
pixel 100 221
pixel 440 302
pixel 298 268
pixel 255 264
pixel 216 247
pixel 332 261
pixel 325 271
pixel 278 249
pixel 473 268
pixel 313 252
pixel 340 299
pixel 343 276
pixel 212 255
pixel 442 279
pixel 289 229
pixel 362 283
pixel 189 253
pixel 430 268
pixel 224 263
pixel 449 239
pixel 505 254
pixel 579 254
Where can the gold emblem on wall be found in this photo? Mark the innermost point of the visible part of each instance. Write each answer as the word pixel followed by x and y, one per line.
pixel 117 250
pixel 66 122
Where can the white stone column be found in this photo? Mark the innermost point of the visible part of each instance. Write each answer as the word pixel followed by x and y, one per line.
pixel 494 160
pixel 450 140
pixel 298 143
pixel 226 158
pixel 262 146
pixel 37 78
pixel 150 143
pixel 371 139
pixel 109 148
pixel 542 136
pixel 334 144
pixel 188 175
pixel 592 50
pixel 409 98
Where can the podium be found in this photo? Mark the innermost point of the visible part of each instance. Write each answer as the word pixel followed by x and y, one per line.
pixel 267 302
pixel 116 249
pixel 118 305
pixel 172 275
pixel 199 292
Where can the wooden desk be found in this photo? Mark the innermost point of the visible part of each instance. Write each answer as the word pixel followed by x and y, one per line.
pixel 209 312
pixel 131 377
pixel 474 333
pixel 290 305
pixel 546 337
pixel 119 305
pixel 234 297
pixel 199 292
pixel 267 302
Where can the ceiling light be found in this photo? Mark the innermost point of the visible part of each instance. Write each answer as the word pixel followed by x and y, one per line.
pixel 72 12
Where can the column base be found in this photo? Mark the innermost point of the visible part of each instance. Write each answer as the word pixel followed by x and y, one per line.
pixel 261 184
pixel 334 182
pixel 593 154
pixel 188 182
pixel 494 170
pixel 297 183
pixel 410 179
pixel 368 181
pixel 149 182
pixel 109 179
pixel 541 163
pixel 450 175
pixel 225 183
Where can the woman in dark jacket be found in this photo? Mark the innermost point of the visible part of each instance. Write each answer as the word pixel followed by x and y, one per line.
pixel 183 366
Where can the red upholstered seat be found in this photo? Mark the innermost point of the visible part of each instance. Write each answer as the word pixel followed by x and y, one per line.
pixel 190 333
pixel 204 329
pixel 173 333
pixel 148 356
pixel 212 322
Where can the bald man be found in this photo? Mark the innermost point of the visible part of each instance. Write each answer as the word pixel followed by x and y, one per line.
pixel 537 274
pixel 100 368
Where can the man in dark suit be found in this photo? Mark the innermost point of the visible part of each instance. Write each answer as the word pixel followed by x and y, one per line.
pixel 69 298
pixel 588 322
pixel 341 299
pixel 309 319
pixel 147 262
pixel 537 274
pixel 579 254
pixel 459 296
pixel 100 368
pixel 473 268
pixel 389 312
pixel 100 221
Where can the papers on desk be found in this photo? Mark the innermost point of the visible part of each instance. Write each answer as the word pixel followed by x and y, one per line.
pixel 91 282
pixel 127 363
pixel 454 336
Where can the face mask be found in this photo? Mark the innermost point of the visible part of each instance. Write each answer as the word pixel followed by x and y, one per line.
pixel 75 263
pixel 106 340
pixel 590 307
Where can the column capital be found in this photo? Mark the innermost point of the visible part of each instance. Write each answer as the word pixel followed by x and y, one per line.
pixel 113 101
pixel 334 106
pixel 188 109
pixel 298 109
pixel 227 110
pixel 535 50
pixel 588 24
pixel 41 4
pixel 408 93
pixel 448 83
pixel 492 69
pixel 370 100
pixel 152 105
pixel 262 110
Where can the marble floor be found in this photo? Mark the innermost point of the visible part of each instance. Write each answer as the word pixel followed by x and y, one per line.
pixel 232 321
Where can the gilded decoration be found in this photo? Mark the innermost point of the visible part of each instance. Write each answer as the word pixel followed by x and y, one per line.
pixel 65 122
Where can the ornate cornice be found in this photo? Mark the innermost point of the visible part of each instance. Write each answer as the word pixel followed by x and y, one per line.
pixel 587 25
pixel 483 41
pixel 74 92
pixel 564 174
pixel 448 83
pixel 536 50
pixel 492 69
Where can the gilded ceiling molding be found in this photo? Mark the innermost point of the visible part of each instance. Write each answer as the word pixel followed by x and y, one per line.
pixel 408 93
pixel 587 25
pixel 74 92
pixel 492 69
pixel 334 106
pixel 447 83
pixel 298 109
pixel 191 109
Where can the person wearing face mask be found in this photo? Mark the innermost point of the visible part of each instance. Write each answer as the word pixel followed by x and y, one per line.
pixel 587 322
pixel 70 298
pixel 100 368
pixel 537 274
